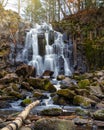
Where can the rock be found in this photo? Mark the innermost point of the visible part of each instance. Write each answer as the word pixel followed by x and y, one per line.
pixel 100 105
pixel 83 101
pixel 60 100
pixel 26 102
pixel 80 121
pixel 25 128
pixel 82 92
pixel 96 90
pixel 99 115
pixel 48 73
pixel 9 78
pixel 83 84
pixel 43 84
pixel 4 104
pixel 25 71
pixel 99 124
pixel 2 73
pixel 38 95
pixel 81 112
pixel 15 94
pixel 53 124
pixel 66 93
pixel 52 112
pixel 25 85
pixel 14 86
pixel 60 77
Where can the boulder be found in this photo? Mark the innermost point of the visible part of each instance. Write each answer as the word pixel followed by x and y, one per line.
pixel 9 78
pixel 83 101
pixel 83 84
pixel 60 77
pixel 82 92
pixel 99 115
pixel 66 93
pixel 96 90
pixel 25 71
pixel 52 112
pixel 43 84
pixel 38 95
pixel 54 124
pixel 25 85
pixel 47 73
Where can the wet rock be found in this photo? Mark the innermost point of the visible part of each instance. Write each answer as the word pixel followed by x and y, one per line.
pixel 4 104
pixel 83 101
pixel 43 84
pixel 60 77
pixel 26 102
pixel 48 73
pixel 38 95
pixel 83 84
pixel 99 115
pixel 25 85
pixel 66 93
pixel 9 78
pixel 53 124
pixel 25 71
pixel 52 112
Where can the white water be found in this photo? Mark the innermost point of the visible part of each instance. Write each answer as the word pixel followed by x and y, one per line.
pixel 53 52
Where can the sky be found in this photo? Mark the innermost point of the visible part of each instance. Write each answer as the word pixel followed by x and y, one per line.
pixel 13 5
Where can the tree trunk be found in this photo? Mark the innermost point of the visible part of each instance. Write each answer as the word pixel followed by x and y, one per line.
pixel 17 123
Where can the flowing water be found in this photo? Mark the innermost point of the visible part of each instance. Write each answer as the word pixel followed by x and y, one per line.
pixel 54 59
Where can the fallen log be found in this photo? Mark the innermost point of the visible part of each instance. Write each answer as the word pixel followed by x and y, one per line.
pixel 17 123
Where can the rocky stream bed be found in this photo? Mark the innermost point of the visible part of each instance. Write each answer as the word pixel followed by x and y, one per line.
pixel 66 103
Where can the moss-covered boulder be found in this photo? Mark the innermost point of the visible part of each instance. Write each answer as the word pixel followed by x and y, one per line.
pixel 54 124
pixel 66 93
pixel 60 100
pixel 26 102
pixel 60 77
pixel 25 85
pixel 81 112
pixel 83 84
pixel 52 112
pixel 83 101
pixel 99 115
pixel 43 84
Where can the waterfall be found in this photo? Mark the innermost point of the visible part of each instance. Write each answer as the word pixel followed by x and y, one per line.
pixel 53 59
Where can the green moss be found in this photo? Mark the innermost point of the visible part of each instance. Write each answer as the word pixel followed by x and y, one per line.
pixel 26 101
pixel 84 83
pixel 99 115
pixel 52 112
pixel 66 93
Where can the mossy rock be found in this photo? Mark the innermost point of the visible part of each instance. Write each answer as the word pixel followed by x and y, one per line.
pixel 66 93
pixel 83 101
pixel 15 87
pixel 99 115
pixel 54 124
pixel 82 112
pixel 38 95
pixel 82 92
pixel 26 101
pixel 43 84
pixel 52 112
pixel 83 84
pixel 60 100
pixel 15 94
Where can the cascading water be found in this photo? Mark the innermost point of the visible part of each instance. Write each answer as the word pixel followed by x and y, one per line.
pixel 54 58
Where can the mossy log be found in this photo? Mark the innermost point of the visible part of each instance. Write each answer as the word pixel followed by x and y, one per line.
pixel 17 123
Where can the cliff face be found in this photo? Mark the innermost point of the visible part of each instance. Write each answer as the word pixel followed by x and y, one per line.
pixel 86 29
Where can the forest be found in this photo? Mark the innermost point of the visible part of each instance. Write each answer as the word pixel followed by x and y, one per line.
pixel 52 64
